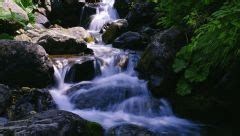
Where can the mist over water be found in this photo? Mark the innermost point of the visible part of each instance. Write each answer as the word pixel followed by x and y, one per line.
pixel 116 96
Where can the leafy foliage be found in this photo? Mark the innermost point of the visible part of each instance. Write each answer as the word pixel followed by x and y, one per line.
pixel 215 45
pixel 26 5
pixel 188 12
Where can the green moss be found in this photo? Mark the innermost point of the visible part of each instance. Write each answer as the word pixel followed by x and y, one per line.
pixel 89 39
pixel 93 129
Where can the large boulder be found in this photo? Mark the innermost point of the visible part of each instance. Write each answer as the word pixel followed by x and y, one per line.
pixel 129 40
pixel 64 12
pixel 156 61
pixel 5 96
pixel 52 123
pixel 58 40
pixel 25 64
pixel 142 11
pixel 129 130
pixel 113 30
pixel 122 7
pixel 76 33
pixel 27 101
pixel 82 71
pixel 59 44
pixel 19 103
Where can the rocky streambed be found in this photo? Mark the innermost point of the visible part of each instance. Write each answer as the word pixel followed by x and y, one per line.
pixel 109 78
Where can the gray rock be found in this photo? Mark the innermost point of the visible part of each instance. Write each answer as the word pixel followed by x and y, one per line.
pixel 59 45
pixel 129 40
pixel 58 41
pixel 113 30
pixel 123 7
pixel 107 94
pixel 42 19
pixel 142 14
pixel 28 101
pixel 156 62
pixel 52 123
pixel 129 130
pixel 5 97
pixel 25 64
pixel 84 71
pixel 3 121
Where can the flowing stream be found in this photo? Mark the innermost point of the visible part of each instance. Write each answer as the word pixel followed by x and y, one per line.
pixel 116 95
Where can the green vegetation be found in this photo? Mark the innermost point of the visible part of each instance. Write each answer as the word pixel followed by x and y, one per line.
pixel 26 5
pixel 213 27
pixel 6 36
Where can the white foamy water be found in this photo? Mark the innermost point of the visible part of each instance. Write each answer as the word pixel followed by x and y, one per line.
pixel 117 95
pixel 105 13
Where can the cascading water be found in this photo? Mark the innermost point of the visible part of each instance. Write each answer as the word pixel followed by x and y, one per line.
pixel 105 13
pixel 116 96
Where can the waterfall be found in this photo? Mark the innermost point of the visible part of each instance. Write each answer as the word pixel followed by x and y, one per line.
pixel 105 13
pixel 116 96
pixel 81 14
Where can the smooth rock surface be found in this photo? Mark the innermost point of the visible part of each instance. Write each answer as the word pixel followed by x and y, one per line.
pixel 129 40
pixel 84 71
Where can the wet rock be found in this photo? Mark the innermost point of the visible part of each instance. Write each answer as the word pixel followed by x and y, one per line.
pixel 28 101
pixel 5 96
pixel 122 7
pixel 70 2
pixel 54 123
pixel 84 95
pixel 142 11
pixel 113 30
pixel 129 130
pixel 137 105
pixel 156 61
pixel 121 61
pixel 129 40
pixel 87 11
pixel 65 12
pixel 25 64
pixel 3 121
pixel 84 71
